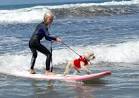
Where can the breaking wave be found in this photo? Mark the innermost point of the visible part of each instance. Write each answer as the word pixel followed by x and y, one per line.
pixel 34 14
pixel 121 53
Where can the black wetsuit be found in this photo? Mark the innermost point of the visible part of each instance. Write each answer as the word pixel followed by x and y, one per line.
pixel 35 45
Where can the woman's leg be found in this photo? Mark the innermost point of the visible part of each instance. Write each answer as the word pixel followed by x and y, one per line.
pixel 46 52
pixel 33 59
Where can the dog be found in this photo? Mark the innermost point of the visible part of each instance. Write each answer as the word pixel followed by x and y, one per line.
pixel 80 63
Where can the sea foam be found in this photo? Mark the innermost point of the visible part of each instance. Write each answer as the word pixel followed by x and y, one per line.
pixel 34 14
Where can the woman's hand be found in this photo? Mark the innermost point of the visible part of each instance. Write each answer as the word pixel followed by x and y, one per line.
pixel 58 39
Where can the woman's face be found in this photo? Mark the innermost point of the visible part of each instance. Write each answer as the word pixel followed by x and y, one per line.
pixel 48 20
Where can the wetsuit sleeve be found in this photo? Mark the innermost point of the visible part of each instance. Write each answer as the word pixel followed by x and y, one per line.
pixel 47 35
pixel 50 38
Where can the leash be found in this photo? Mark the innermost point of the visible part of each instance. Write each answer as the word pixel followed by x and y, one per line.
pixel 67 47
pixel 70 48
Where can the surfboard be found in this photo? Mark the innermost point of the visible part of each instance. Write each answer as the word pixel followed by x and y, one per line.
pixel 67 77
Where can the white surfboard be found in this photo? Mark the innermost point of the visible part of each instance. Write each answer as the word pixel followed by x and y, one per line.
pixel 67 77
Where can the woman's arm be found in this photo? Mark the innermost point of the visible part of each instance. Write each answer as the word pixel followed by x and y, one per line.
pixel 50 38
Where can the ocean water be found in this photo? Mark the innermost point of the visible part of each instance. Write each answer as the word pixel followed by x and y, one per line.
pixel 108 28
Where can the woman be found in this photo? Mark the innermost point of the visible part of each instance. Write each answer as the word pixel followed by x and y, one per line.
pixel 35 45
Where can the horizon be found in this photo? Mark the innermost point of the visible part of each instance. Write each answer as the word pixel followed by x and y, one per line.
pixel 21 2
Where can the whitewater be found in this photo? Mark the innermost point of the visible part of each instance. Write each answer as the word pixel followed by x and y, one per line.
pixel 35 14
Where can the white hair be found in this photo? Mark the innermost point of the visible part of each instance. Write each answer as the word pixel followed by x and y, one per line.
pixel 48 14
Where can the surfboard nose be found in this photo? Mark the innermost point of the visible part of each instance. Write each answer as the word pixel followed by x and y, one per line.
pixel 108 72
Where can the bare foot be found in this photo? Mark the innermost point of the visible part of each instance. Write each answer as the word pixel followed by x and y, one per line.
pixel 49 73
pixel 32 71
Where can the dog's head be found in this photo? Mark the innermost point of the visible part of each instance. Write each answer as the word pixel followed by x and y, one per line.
pixel 89 56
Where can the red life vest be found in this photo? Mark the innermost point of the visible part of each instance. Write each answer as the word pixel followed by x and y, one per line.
pixel 77 64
